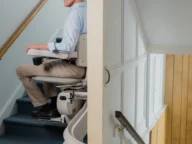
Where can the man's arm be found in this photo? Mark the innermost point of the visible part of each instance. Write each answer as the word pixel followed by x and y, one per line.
pixel 70 38
pixel 37 47
pixel 71 34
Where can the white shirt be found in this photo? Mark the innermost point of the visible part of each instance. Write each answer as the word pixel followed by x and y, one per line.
pixel 76 24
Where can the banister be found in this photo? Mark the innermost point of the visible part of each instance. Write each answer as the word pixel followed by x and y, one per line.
pixel 125 123
pixel 20 29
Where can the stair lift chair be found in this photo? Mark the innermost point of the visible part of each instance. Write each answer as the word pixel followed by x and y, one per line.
pixel 71 101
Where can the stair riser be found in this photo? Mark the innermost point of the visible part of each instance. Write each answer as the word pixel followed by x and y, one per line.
pixel 26 108
pixel 20 130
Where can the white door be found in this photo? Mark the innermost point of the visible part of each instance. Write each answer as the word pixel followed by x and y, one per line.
pixel 116 71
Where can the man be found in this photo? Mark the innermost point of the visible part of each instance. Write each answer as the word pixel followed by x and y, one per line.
pixel 76 24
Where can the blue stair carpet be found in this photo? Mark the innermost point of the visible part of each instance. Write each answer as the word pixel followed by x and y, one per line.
pixel 23 129
pixel 27 140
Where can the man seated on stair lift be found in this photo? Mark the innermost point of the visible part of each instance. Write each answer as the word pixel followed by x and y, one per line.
pixel 75 25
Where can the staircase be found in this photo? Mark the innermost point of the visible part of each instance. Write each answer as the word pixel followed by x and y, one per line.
pixel 21 128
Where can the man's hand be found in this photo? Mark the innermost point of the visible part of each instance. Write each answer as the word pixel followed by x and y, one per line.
pixel 37 47
pixel 32 46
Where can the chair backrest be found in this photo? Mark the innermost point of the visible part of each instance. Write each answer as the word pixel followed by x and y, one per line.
pixel 81 49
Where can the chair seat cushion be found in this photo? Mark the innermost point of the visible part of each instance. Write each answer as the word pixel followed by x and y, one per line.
pixel 57 80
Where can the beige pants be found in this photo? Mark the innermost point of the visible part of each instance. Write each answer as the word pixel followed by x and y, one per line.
pixel 25 72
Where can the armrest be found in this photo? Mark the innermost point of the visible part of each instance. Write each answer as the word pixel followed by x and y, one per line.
pixel 60 55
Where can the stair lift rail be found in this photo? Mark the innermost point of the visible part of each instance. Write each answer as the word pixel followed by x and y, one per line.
pixel 125 123
pixel 77 128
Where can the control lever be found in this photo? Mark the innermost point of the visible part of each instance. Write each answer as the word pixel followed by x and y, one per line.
pixel 72 95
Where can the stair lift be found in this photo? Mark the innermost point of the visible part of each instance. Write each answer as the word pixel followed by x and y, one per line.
pixel 71 102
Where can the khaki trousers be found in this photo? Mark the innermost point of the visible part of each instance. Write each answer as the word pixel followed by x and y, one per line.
pixel 25 72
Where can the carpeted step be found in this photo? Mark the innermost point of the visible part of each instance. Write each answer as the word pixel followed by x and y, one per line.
pixel 27 140
pixel 25 106
pixel 23 129
pixel 24 103
pixel 25 125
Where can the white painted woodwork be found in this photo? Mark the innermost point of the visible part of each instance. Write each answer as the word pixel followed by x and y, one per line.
pixel 115 43
pixel 150 89
pixel 95 71
pixel 155 94
pixel 141 99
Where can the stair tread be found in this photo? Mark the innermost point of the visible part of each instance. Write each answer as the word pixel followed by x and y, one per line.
pixel 26 119
pixel 27 140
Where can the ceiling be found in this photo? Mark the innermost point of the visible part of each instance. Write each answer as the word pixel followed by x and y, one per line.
pixel 166 23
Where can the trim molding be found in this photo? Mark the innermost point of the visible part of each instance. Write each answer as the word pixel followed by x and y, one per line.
pixel 140 25
pixel 10 107
pixel 157 115
pixel 21 28
pixel 147 132
pixel 169 49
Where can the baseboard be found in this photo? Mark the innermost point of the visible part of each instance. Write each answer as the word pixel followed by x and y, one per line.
pixel 10 106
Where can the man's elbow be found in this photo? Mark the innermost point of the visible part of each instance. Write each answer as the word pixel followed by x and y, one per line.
pixel 67 49
pixel 70 47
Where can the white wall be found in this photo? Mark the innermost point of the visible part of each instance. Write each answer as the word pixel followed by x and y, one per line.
pixel 12 13
pixel 143 76
pixel 40 30
pixel 132 90
pixel 120 45
pixel 117 50
pixel 135 86
pixel 167 23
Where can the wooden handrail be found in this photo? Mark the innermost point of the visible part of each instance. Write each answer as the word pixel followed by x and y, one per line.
pixel 20 29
